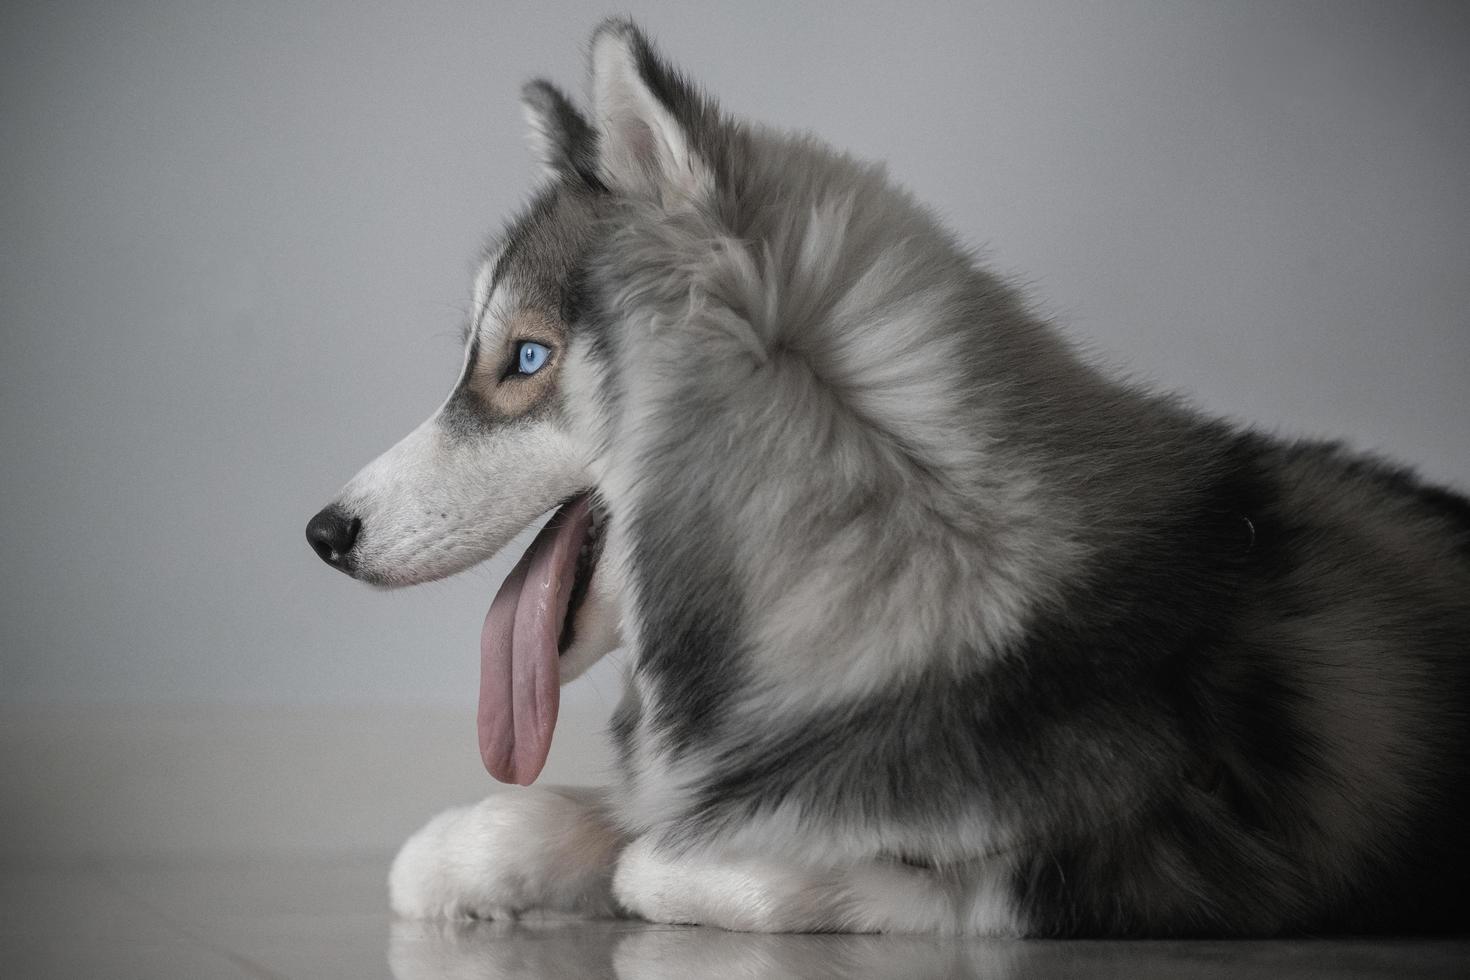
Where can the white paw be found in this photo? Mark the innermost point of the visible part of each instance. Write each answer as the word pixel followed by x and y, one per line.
pixel 761 894
pixel 515 851
pixel 745 896
pixel 648 886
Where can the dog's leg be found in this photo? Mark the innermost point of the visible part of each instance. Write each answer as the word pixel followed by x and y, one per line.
pixel 765 895
pixel 518 850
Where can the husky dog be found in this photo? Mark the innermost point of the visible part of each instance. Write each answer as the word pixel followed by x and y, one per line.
pixel 933 626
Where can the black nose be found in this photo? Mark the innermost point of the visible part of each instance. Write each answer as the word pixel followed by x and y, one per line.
pixel 332 533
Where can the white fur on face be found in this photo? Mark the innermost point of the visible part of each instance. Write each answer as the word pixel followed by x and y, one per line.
pixel 439 502
pixel 436 504
pixel 484 280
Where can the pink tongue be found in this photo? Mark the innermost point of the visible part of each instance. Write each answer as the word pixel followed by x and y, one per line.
pixel 519 684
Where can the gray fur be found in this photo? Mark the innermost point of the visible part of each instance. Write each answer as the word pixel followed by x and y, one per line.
pixel 561 138
pixel 936 626
pixel 1125 602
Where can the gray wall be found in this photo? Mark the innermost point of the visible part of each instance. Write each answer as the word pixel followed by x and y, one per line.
pixel 235 241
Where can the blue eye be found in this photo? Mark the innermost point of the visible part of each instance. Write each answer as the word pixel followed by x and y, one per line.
pixel 530 357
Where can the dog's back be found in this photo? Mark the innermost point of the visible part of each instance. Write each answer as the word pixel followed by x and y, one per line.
pixel 1316 695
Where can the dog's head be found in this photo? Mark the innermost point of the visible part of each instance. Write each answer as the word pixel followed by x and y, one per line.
pixel 502 448
pixel 499 451
pixel 509 443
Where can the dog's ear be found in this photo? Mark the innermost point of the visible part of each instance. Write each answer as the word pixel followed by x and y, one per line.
pixel 562 140
pixel 645 115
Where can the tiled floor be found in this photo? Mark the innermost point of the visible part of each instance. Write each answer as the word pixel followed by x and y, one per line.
pixel 325 919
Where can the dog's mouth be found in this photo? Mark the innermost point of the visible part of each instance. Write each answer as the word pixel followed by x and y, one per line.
pixel 530 624
pixel 587 557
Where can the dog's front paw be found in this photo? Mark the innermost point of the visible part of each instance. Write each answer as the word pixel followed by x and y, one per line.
pixel 515 851
pixel 761 894
pixel 744 896
pixel 449 869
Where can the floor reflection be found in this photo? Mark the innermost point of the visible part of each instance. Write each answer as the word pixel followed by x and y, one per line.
pixel 297 919
pixel 711 953
pixel 638 951
pixel 630 950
